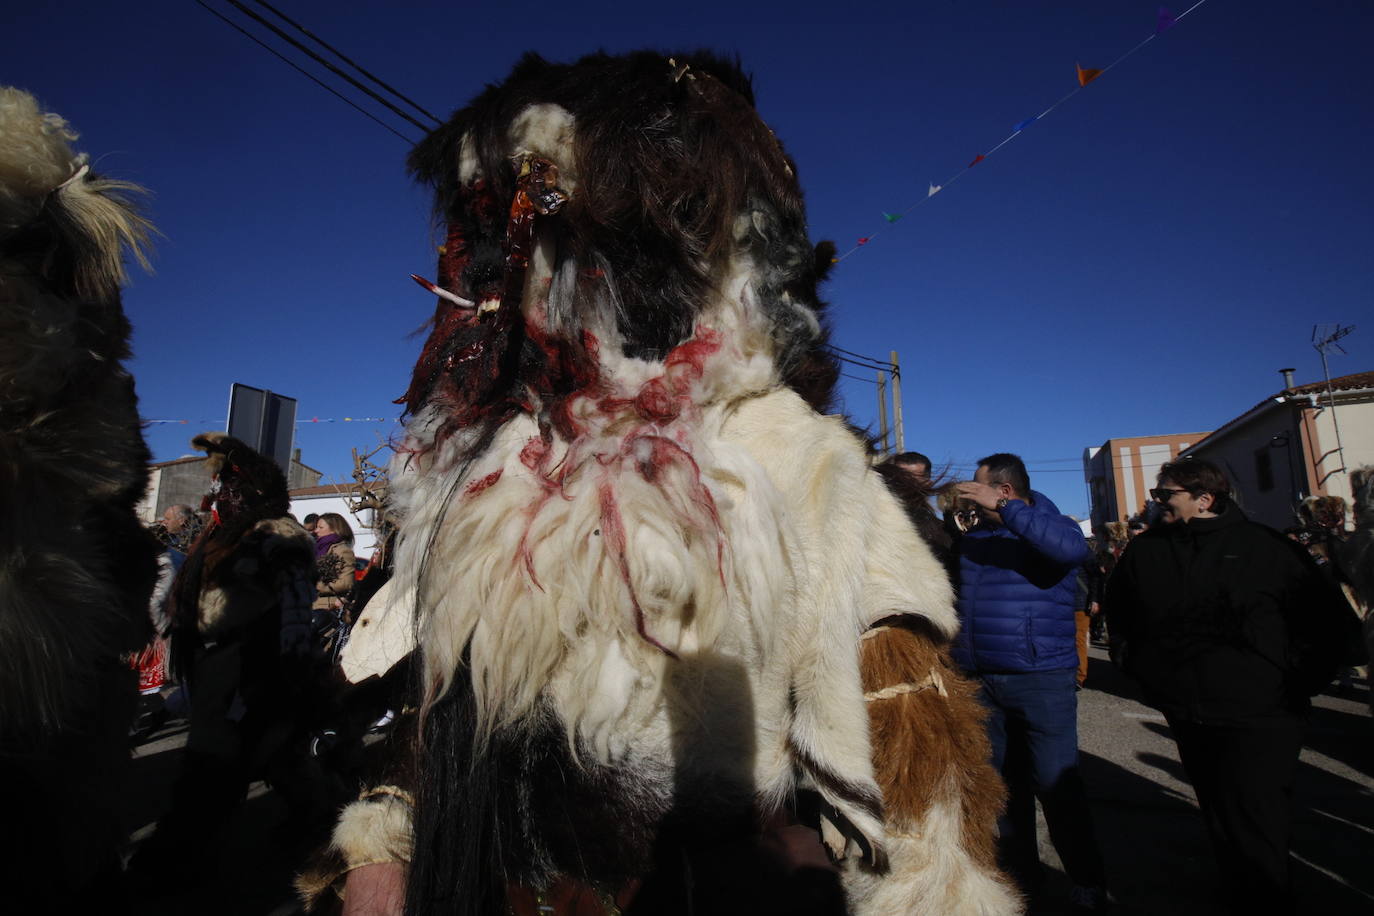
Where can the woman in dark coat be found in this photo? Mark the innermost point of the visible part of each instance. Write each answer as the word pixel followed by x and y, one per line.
pixel 1229 627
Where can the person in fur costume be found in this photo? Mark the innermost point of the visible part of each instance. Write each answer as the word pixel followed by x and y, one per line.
pixel 639 555
pixel 76 567
pixel 241 639
pixel 1356 558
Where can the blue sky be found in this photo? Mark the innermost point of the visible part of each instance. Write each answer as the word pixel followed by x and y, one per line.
pixel 1141 261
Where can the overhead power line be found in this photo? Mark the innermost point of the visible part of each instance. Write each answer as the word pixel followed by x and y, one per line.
pixel 880 367
pixel 306 73
pixel 855 355
pixel 348 60
pixel 326 64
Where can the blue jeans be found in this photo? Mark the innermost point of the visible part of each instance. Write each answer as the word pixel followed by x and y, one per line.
pixel 1033 727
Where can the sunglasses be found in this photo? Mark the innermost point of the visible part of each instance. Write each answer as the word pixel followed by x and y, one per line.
pixel 1162 494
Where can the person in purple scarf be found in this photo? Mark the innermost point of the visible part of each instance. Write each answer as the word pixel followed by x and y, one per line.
pixel 333 561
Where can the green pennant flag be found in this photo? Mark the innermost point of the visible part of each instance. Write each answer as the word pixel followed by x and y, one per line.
pixel 892 217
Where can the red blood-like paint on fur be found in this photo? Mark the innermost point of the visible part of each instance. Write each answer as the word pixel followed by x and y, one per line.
pixel 686 362
pixel 655 404
pixel 477 486
pixel 664 452
pixel 613 532
pixel 522 550
pixel 535 453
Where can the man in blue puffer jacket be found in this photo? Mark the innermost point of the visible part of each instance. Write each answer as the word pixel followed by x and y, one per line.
pixel 1017 597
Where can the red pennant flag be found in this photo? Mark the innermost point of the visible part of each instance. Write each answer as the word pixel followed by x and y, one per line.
pixel 976 159
pixel 1087 76
pixel 863 241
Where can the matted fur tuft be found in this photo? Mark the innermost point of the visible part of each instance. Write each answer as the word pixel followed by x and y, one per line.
pixel 79 225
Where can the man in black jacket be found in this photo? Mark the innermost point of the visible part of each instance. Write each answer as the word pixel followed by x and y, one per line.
pixel 1229 627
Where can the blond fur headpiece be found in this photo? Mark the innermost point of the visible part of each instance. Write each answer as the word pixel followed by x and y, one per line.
pixel 40 174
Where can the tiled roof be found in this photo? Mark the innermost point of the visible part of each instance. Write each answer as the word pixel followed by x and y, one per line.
pixel 186 460
pixel 1344 383
pixel 1352 382
pixel 324 489
pixel 189 458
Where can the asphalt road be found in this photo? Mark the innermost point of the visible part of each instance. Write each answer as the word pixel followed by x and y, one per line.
pixel 1158 857
pixel 1156 850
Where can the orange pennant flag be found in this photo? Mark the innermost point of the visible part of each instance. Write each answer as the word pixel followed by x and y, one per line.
pixel 1087 76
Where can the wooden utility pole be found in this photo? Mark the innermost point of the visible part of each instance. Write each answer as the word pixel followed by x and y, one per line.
pixel 882 411
pixel 897 430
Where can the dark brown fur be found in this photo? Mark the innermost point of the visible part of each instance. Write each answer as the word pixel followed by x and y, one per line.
pixel 666 165
pixel 76 567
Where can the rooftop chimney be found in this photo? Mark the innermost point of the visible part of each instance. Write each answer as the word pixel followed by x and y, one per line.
pixel 1287 378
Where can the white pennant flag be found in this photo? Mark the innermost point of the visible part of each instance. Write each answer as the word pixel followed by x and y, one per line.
pixel 934 189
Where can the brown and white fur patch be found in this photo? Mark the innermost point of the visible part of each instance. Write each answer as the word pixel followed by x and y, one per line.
pixel 941 794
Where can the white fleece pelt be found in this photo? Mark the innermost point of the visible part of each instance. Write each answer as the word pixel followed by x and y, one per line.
pixel 930 872
pixel 616 572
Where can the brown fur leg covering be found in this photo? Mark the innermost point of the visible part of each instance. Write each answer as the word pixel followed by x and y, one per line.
pixel 941 796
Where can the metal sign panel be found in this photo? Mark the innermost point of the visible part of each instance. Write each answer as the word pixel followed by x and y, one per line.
pixel 265 421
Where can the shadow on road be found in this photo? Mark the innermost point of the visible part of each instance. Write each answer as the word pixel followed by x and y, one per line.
pixel 1158 853
pixel 1104 677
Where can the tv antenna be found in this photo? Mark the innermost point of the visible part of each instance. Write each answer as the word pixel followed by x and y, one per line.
pixel 1324 340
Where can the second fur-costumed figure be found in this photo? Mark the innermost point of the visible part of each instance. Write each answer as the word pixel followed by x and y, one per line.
pixel 640 555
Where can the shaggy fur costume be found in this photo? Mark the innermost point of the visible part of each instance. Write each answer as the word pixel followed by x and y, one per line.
pixel 242 640
pixel 251 558
pixel 640 558
pixel 1356 557
pixel 76 567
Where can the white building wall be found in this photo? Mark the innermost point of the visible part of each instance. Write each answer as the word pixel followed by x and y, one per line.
pixel 1127 463
pixel 1357 440
pixel 364 540
pixel 147 507
pixel 1152 458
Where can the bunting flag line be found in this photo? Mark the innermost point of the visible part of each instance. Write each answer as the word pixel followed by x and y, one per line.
pixel 1086 76
pixel 1164 21
pixel 218 420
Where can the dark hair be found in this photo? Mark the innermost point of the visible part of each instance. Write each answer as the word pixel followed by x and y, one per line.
pixel 1004 467
pixel 312 517
pixel 338 525
pixel 1198 477
pixel 911 458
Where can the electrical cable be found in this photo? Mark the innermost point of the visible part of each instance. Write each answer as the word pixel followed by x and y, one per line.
pixel 306 73
pixel 324 63
pixel 831 346
pixel 348 60
pixel 878 367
